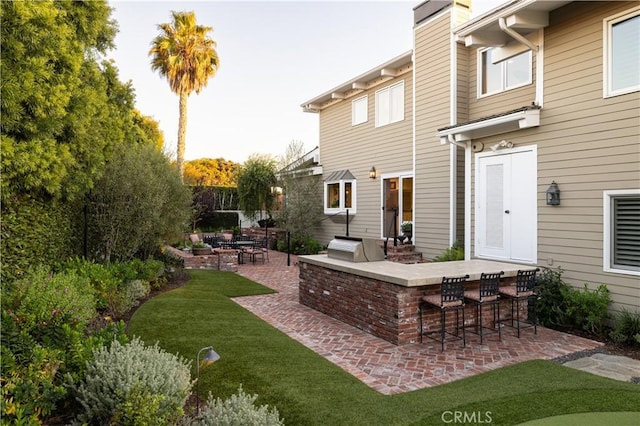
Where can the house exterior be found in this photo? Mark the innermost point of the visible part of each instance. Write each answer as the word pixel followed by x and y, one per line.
pixel 530 94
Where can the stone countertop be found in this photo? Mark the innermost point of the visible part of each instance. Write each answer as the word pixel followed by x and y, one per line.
pixel 416 274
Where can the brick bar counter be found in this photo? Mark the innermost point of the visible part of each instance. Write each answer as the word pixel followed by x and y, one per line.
pixel 382 298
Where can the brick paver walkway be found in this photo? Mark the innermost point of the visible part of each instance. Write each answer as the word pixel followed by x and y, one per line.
pixel 387 368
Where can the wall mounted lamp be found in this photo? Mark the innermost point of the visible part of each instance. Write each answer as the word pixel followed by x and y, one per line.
pixel 502 144
pixel 553 194
pixel 372 173
pixel 209 358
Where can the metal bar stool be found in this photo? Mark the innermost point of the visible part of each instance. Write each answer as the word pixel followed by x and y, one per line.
pixel 451 298
pixel 523 291
pixel 486 294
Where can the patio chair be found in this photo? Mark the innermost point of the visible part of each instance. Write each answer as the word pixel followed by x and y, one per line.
pixel 255 252
pixel 486 295
pixel 522 291
pixel 451 298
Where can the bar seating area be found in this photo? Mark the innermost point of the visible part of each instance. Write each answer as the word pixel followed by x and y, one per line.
pixel 455 294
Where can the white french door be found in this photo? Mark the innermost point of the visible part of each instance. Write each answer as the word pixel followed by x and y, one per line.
pixel 506 205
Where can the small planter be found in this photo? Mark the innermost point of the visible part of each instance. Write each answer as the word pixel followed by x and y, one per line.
pixel 200 251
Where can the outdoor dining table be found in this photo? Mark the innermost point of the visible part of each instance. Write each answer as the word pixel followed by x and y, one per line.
pixel 241 245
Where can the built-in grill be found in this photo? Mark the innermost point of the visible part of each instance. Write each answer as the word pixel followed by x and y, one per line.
pixel 354 249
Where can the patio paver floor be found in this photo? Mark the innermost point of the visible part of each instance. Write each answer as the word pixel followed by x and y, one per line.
pixel 381 365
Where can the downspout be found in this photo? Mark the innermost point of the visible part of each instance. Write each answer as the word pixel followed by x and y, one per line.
pixel 515 35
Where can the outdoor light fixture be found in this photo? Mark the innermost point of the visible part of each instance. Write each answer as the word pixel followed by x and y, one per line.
pixel 553 194
pixel 210 358
pixel 372 173
pixel 502 144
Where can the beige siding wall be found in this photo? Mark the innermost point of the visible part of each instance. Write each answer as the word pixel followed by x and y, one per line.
pixel 586 143
pixel 358 148
pixel 500 102
pixel 432 73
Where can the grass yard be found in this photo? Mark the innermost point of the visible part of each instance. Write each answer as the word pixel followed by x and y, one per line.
pixel 309 390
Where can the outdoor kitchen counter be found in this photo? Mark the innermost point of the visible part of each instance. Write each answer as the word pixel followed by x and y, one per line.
pixel 416 274
pixel 382 297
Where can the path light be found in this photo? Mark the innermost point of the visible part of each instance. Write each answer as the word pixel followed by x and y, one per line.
pixel 553 194
pixel 211 357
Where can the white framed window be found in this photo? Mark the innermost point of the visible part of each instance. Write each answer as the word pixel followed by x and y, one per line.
pixel 340 196
pixel 390 104
pixel 504 75
pixel 622 231
pixel 359 110
pixel 622 53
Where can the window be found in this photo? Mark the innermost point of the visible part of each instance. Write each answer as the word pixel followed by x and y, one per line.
pixel 340 192
pixel 390 104
pixel 359 113
pixel 622 231
pixel 504 75
pixel 622 53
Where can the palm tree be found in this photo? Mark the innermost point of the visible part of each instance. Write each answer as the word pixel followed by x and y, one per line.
pixel 184 54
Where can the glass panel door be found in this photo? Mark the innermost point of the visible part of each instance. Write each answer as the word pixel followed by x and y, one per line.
pixel 390 207
pixel 398 204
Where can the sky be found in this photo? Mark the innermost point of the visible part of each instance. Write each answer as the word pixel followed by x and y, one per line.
pixel 274 55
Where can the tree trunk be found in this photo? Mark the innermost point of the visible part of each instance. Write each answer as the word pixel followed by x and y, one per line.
pixel 182 134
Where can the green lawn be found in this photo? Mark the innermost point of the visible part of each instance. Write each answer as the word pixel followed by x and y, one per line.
pixel 309 390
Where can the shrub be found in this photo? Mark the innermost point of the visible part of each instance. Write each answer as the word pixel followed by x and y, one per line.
pixel 587 309
pixel 455 252
pixel 238 409
pixel 130 296
pixel 123 374
pixel 626 328
pixel 36 357
pixel 551 303
pixel 41 302
pixel 29 392
pixel 300 245
pixel 34 233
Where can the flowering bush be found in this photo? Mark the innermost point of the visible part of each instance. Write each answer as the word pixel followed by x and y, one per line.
pixel 406 226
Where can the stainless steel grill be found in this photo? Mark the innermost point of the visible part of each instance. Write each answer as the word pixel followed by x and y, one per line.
pixel 353 249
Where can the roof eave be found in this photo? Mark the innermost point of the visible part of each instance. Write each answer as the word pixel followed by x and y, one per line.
pixel 390 69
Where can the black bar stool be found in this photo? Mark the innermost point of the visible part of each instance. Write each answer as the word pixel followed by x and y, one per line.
pixel 486 294
pixel 451 298
pixel 523 291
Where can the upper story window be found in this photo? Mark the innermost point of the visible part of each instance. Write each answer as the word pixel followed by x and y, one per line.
pixel 340 192
pixel 390 104
pixel 504 75
pixel 622 231
pixel 359 111
pixel 622 53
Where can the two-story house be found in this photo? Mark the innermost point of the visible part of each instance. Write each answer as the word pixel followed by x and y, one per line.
pixel 523 141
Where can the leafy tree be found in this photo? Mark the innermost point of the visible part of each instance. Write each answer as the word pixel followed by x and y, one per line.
pixel 256 184
pixel 52 92
pixel 148 130
pixel 301 208
pixel 210 172
pixel 184 54
pixel 138 203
